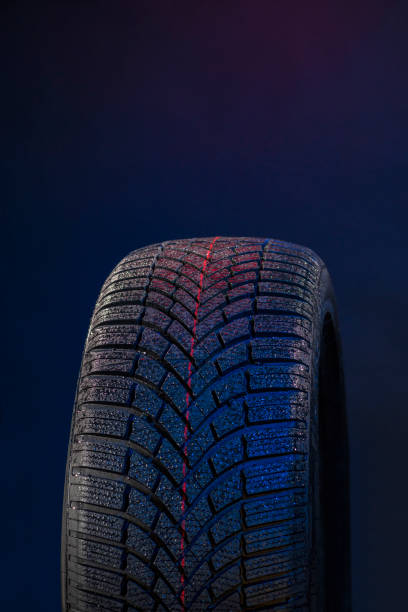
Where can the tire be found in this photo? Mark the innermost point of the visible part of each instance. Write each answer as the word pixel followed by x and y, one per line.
pixel 207 465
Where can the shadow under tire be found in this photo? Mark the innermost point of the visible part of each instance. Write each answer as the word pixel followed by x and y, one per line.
pixel 207 465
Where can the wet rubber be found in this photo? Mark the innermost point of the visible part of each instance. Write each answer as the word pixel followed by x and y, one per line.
pixel 207 465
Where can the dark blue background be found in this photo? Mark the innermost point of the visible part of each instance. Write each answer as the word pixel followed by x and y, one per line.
pixel 144 121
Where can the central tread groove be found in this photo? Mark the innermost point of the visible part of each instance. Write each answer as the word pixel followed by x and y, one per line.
pixel 188 395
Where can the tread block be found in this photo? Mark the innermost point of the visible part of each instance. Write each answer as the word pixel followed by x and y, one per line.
pixel 180 312
pixel 197 517
pixel 153 341
pixel 206 347
pixel 169 534
pixel 271 324
pixel 167 493
pixel 230 416
pixel 200 578
pixel 277 588
pixel 203 377
pixel 287 533
pixel 97 491
pixel 85 601
pixel 97 552
pixel 244 277
pixel 94 578
pixel 212 288
pixel 277 438
pixel 269 406
pixel 139 597
pixel 227 524
pixel 203 475
pixel 277 506
pixel 159 301
pixel 140 541
pixel 198 549
pixel 275 473
pixel 236 330
pixel 174 391
pixel 166 596
pixel 167 567
pixel 280 348
pixel 125 312
pixel 103 420
pixel 227 580
pixel 114 334
pixel 144 433
pixel 146 399
pixel 287 277
pixel 109 360
pixel 276 562
pixel 179 360
pixel 228 553
pixel 230 603
pixel 217 301
pixel 274 287
pixel 180 333
pixel 138 569
pixel 234 356
pixel 239 308
pixel 140 507
pixel 198 444
pixel 202 602
pixel 201 407
pixel 207 324
pixel 228 453
pixel 230 385
pixel 150 369
pixel 156 318
pixel 173 424
pixel 267 376
pixel 95 524
pixel 187 300
pixel 227 491
pixel 114 389
pixel 130 269
pixel 171 459
pixel 142 469
pixel 102 455
pixel 241 290
pixel 289 305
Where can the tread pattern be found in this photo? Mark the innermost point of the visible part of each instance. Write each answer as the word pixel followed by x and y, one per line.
pixel 188 463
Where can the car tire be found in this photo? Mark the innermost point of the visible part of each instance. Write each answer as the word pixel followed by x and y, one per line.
pixel 207 465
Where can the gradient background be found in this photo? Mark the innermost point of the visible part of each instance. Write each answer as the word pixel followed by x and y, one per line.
pixel 133 122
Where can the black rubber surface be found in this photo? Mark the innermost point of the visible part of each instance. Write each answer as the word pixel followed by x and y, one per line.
pixel 197 455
